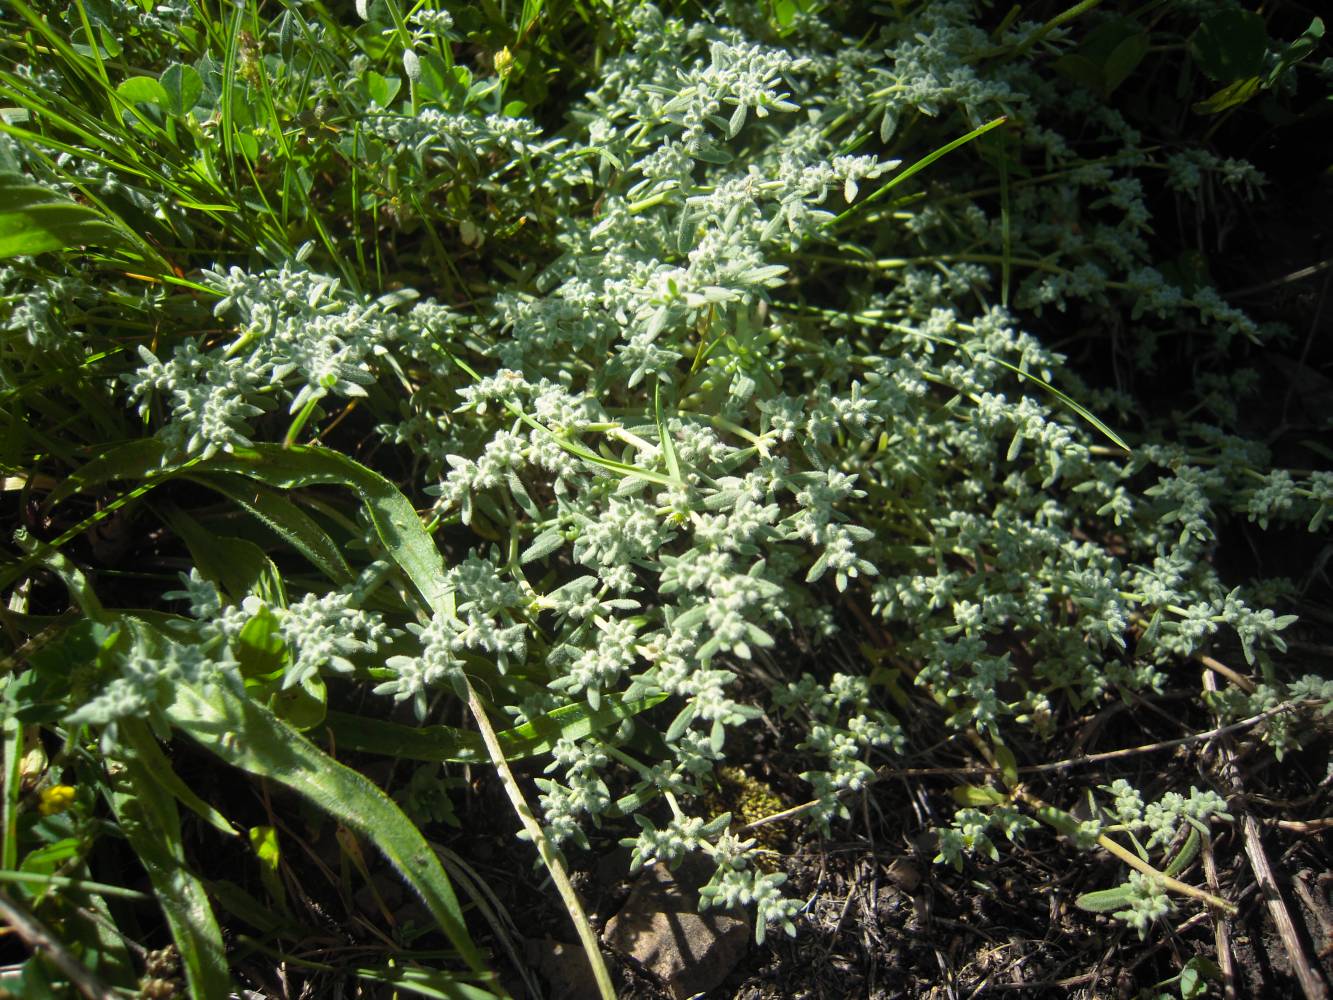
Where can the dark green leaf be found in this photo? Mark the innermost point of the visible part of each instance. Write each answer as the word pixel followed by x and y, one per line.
pixel 446 743
pixel 395 520
pixel 147 815
pixel 35 220
pixel 136 459
pixel 285 519
pixel 1106 900
pixel 1123 60
pixel 250 737
pixel 239 567
pixel 1230 45
pixel 144 90
pixel 183 87
pixel 382 89
pixel 136 734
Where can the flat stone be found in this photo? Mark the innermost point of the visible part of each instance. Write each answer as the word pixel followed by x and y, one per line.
pixel 565 968
pixel 904 875
pixel 660 928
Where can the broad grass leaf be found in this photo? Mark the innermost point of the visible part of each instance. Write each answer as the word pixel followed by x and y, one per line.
pixel 251 738
pixel 36 220
pixel 136 734
pixel 239 567
pixel 147 815
pixel 288 521
pixel 394 518
pixel 138 459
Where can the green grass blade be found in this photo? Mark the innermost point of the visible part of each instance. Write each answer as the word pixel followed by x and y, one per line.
pixel 80 590
pixel 917 167
pixel 288 521
pixel 425 983
pixel 136 734
pixel 148 817
pixel 459 746
pixel 138 459
pixel 41 879
pixel 532 10
pixel 251 738
pixel 664 437
pixel 1073 404
pixel 36 220
pixel 11 741
pixel 395 519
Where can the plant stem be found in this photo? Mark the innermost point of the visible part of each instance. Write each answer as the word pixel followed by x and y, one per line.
pixel 534 830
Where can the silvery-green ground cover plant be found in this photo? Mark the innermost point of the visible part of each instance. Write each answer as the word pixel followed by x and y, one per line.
pixel 564 401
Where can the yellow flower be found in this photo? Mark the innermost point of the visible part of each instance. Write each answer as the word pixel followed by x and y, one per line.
pixel 55 799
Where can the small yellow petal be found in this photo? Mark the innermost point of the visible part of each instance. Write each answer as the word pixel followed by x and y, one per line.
pixel 55 799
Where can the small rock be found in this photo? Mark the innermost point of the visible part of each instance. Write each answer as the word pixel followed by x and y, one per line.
pixel 903 874
pixel 660 927
pixel 564 967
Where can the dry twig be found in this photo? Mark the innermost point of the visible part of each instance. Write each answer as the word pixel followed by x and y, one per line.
pixel 33 933
pixel 1312 983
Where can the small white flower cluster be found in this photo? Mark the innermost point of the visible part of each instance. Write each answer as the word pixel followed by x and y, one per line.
pixel 38 308
pixel 145 679
pixel 1161 820
pixel 320 633
pixel 969 833
pixel 299 337
pixel 743 390
pixel 439 663
pixel 583 791
pixel 1148 902
pixel 844 726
